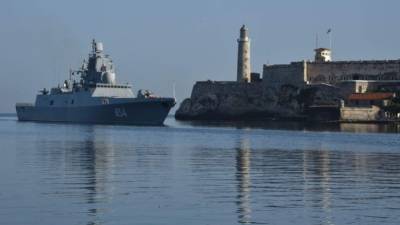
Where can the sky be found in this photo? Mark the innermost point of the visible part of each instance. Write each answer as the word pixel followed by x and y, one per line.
pixel 156 44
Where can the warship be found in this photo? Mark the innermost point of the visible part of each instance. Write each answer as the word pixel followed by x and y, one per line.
pixel 91 95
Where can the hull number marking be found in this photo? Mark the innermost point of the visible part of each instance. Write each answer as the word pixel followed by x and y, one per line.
pixel 120 113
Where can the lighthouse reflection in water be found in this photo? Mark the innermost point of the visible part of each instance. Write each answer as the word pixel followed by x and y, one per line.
pixel 244 181
pixel 184 174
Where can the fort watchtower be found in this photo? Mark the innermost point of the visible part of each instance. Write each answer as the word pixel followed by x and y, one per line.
pixel 323 55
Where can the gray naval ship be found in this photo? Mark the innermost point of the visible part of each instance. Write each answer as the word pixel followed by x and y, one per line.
pixel 95 97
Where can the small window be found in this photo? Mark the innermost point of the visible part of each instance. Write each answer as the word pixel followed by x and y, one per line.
pixel 51 102
pixel 72 102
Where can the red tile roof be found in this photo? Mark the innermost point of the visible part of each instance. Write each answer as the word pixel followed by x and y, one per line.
pixel 372 96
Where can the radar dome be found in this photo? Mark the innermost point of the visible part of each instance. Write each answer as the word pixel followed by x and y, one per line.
pixel 109 78
pixel 99 47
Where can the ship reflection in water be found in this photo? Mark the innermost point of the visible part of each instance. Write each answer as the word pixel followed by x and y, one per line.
pixel 98 166
pixel 88 171
pixel 180 174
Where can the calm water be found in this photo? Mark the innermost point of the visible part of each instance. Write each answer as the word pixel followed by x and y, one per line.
pixel 185 173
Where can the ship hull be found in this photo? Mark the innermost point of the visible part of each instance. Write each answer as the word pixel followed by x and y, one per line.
pixel 151 112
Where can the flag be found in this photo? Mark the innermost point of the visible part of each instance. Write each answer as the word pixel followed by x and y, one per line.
pixel 329 31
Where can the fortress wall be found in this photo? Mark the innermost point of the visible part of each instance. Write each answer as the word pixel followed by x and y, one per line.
pixel 277 75
pixel 349 87
pixel 221 88
pixel 334 72
pixel 359 114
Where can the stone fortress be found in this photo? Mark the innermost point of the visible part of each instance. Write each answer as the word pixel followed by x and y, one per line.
pixel 324 71
pixel 305 89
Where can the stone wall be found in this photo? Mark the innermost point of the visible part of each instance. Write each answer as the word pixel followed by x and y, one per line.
pixel 334 72
pixel 292 74
pixel 212 100
pixel 355 86
pixel 360 114
pixel 300 73
pixel 224 87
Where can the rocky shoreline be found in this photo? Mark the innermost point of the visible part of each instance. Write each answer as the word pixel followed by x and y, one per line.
pixel 211 101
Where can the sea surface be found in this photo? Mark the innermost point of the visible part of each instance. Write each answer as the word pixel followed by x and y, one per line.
pixel 199 173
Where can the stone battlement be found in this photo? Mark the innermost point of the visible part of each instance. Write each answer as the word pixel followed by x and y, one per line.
pixel 306 72
pixel 220 87
pixel 358 62
pixel 283 65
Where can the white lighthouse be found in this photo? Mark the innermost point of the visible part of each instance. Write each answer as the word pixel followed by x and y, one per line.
pixel 243 65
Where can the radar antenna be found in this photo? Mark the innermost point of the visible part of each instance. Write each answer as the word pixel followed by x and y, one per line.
pixel 173 91
pixel 94 46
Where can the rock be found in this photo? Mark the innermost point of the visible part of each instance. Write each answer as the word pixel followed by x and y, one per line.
pixel 185 107
pixel 249 101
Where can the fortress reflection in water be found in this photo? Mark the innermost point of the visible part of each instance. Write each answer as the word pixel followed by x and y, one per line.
pixel 297 181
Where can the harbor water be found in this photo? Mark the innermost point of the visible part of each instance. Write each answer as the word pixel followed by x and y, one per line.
pixel 199 173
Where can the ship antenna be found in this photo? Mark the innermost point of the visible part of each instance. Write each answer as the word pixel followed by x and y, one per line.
pixel 173 91
pixel 94 46
pixel 70 74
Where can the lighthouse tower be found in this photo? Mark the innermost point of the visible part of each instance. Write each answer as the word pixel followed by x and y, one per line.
pixel 243 65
